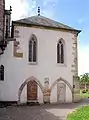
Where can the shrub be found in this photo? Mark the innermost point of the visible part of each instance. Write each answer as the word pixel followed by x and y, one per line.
pixel 86 90
pixel 83 91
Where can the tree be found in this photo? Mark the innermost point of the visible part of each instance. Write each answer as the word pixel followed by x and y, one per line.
pixel 84 79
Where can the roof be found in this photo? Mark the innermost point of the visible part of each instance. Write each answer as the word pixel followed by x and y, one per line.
pixel 46 22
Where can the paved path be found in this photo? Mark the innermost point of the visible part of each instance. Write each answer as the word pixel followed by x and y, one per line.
pixel 41 112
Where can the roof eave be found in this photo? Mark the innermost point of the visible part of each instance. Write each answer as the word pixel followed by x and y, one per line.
pixel 78 31
pixel 17 22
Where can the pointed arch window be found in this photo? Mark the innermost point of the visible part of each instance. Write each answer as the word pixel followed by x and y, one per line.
pixel 60 51
pixel 33 49
pixel 2 73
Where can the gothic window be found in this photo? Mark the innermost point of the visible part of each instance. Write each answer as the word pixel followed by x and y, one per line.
pixel 33 49
pixel 6 28
pixel 2 73
pixel 7 25
pixel 60 51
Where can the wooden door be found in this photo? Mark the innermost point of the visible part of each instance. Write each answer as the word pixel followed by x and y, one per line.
pixel 61 92
pixel 31 90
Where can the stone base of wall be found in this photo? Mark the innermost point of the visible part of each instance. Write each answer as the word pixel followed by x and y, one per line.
pixel 7 103
pixel 32 103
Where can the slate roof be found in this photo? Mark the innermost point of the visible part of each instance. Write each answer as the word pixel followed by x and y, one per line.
pixel 46 22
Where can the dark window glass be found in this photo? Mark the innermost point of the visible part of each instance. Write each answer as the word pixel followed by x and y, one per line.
pixel 12 31
pixel 73 86
pixel 60 42
pixel 30 51
pixel 6 28
pixel 58 55
pixel 34 51
pixel 60 52
pixel 2 72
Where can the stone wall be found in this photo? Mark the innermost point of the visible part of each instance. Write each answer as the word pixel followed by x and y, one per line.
pixel 74 66
pixel 82 86
pixel 76 89
pixel 45 68
pixel 2 6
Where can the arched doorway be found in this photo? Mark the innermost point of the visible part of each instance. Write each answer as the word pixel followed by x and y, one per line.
pixel 61 89
pixel 27 82
pixel 32 91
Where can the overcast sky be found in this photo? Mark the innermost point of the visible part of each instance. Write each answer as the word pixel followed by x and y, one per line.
pixel 74 13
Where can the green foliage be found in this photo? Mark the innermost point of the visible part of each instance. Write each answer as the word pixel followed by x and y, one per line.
pixel 81 113
pixel 84 78
pixel 84 91
pixel 84 95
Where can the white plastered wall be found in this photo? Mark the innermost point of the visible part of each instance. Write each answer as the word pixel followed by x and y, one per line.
pixel 17 70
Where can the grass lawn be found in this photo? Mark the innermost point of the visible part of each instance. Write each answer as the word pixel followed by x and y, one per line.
pixel 81 113
pixel 84 95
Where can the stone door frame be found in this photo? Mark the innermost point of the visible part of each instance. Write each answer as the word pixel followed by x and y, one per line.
pixel 63 80
pixel 25 83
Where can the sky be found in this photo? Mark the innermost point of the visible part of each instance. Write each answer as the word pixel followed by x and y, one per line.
pixel 74 13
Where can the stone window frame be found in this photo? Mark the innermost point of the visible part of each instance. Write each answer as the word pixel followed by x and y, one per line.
pixel 61 43
pixel 33 39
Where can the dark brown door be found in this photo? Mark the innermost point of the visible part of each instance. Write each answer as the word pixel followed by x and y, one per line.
pixel 32 90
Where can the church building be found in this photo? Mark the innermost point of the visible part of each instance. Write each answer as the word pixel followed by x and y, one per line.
pixel 40 63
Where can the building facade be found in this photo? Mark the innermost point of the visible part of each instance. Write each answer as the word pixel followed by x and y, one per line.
pixel 41 64
pixel 2 6
pixel 5 17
